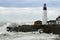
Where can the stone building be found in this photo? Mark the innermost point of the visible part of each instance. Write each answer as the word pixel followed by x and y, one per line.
pixel 37 24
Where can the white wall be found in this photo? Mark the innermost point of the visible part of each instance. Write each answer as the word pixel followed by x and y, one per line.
pixel 58 22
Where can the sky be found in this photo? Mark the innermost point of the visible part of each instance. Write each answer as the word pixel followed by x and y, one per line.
pixel 28 10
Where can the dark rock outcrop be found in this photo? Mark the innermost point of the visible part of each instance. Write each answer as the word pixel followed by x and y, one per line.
pixel 55 29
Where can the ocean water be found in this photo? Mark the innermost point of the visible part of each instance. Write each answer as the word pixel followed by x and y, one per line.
pixel 4 35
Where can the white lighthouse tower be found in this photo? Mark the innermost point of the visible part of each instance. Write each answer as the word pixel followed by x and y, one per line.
pixel 44 14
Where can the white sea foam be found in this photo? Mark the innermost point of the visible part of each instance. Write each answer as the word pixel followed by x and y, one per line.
pixel 4 35
pixel 3 28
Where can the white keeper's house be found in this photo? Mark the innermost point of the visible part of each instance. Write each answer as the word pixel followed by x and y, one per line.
pixel 58 20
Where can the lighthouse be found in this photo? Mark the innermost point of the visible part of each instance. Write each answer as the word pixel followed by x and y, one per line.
pixel 44 14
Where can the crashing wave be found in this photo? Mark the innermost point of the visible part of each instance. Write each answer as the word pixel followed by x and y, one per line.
pixel 3 29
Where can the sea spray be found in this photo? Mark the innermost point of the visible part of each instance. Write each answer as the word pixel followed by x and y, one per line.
pixel 3 29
